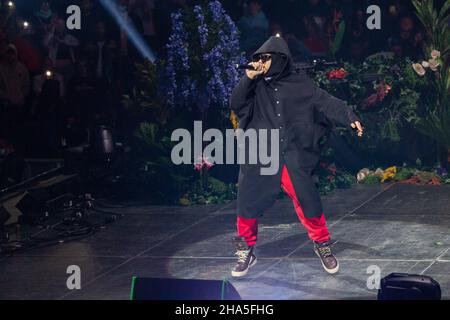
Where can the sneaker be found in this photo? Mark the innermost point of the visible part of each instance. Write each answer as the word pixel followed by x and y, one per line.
pixel 246 258
pixel 329 261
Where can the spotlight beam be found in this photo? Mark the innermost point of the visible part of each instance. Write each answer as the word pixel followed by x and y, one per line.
pixel 130 29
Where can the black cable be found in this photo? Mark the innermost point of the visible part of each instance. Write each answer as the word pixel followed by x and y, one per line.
pixel 83 229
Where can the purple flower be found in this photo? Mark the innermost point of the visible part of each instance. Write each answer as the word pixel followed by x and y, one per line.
pixel 441 171
pixel 202 27
pixel 202 75
pixel 217 10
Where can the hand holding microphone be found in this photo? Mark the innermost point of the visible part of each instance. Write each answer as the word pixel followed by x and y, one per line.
pixel 255 71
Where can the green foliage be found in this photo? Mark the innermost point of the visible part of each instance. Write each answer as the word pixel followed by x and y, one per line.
pixel 404 173
pixel 214 192
pixel 153 175
pixel 340 180
pixel 435 22
pixel 145 99
pixel 329 176
pixel 384 119
pixel 372 179
pixel 435 122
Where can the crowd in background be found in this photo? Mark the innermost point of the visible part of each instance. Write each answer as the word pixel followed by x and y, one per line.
pixel 330 28
pixel 56 83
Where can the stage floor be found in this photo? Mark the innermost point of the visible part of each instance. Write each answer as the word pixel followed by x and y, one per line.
pixel 397 227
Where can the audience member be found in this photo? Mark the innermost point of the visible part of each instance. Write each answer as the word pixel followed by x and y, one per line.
pixel 14 78
pixel 407 41
pixel 61 47
pixel 254 27
pixel 47 72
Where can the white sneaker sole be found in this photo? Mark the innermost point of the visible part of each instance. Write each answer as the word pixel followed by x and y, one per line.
pixel 330 271
pixel 238 274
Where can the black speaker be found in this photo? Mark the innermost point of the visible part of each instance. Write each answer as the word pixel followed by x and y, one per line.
pixel 182 289
pixel 402 286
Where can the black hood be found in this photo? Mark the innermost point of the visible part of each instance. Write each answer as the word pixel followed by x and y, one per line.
pixel 282 63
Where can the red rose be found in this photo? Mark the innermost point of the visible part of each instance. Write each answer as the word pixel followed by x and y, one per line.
pixel 388 88
pixel 332 169
pixel 337 73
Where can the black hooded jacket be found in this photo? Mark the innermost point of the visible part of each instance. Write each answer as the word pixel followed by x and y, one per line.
pixel 291 102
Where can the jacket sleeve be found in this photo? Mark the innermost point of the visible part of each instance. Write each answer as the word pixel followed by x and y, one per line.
pixel 242 98
pixel 333 109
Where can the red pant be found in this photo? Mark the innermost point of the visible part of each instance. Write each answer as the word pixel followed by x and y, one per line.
pixel 316 227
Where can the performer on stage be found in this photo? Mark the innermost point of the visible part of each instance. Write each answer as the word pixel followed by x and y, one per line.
pixel 274 96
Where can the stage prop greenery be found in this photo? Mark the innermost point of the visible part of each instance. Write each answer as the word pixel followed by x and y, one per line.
pixel 435 121
pixel 403 105
pixel 384 91
pixel 193 83
pixel 395 97
pixel 200 71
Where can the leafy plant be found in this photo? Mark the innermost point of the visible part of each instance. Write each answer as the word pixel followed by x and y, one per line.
pixel 384 91
pixel 153 174
pixel 151 146
pixel 329 175
pixel 436 120
pixel 404 173
pixel 372 179
pixel 214 192
pixel 145 99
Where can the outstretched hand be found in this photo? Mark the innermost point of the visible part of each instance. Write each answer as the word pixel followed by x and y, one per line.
pixel 357 125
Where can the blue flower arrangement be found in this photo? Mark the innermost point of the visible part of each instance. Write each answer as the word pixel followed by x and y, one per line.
pixel 202 52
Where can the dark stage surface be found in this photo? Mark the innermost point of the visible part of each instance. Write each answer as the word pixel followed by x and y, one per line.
pixel 399 228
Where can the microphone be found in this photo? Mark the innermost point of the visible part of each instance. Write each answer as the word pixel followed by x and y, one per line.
pixel 244 67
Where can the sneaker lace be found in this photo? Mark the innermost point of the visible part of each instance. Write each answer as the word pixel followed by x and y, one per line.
pixel 325 252
pixel 242 255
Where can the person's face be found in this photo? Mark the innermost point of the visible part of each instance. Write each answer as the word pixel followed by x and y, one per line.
pixel 45 6
pixel 11 56
pixel 406 24
pixel 254 8
pixel 265 61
